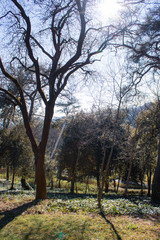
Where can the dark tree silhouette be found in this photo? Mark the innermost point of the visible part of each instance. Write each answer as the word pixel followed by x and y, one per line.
pixel 53 41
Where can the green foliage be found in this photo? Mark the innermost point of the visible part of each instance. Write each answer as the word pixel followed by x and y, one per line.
pixel 15 149
pixel 147 124
pixel 86 138
pixel 132 226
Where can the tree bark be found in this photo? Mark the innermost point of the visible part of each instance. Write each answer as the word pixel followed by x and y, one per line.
pixel 72 185
pixel 114 183
pixel 7 172
pixel 98 181
pixel 129 174
pixel 107 184
pixel 73 180
pixel 156 180
pixel 59 183
pixel 141 186
pixel 149 175
pixel 130 163
pixel 104 175
pixel 12 184
pixel 51 184
pixel 41 192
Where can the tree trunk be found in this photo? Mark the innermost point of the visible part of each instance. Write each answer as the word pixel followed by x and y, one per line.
pixel 114 182
pixel 59 183
pixel 141 186
pixel 51 184
pixel 156 180
pixel 12 184
pixel 107 184
pixel 76 188
pixel 74 172
pixel 98 177
pixel 149 175
pixel 7 172
pixel 130 169
pixel 99 197
pixel 41 191
pixel 98 182
pixel 72 185
pixel 104 175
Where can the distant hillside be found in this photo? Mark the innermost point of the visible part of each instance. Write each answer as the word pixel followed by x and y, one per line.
pixel 134 111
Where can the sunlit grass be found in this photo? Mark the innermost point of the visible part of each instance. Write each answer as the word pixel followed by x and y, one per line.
pixel 66 216
pixel 73 226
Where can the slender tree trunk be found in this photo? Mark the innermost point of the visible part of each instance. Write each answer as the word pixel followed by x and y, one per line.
pixel 107 184
pixel 7 172
pixel 74 172
pixel 13 177
pixel 51 184
pixel 129 174
pixel 72 185
pixel 156 180
pixel 41 192
pixel 98 175
pixel 98 181
pixel 76 188
pixel 59 183
pixel 149 175
pixel 141 186
pixel 104 175
pixel 130 162
pixel 114 182
pixel 101 181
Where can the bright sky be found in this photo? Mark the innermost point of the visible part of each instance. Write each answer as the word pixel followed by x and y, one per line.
pixel 99 93
pixel 108 9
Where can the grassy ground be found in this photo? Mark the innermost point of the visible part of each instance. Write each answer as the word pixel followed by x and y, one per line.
pixel 80 226
pixel 65 216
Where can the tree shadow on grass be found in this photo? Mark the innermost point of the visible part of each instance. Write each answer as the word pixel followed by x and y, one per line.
pixel 10 215
pixel 111 224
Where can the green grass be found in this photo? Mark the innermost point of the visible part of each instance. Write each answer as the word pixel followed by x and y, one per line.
pixel 58 226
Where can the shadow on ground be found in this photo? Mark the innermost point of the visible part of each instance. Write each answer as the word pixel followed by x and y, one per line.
pixel 112 226
pixel 10 215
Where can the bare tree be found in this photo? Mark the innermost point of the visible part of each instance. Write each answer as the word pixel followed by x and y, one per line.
pixel 59 35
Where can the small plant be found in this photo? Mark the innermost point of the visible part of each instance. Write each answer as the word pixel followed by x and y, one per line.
pixel 132 226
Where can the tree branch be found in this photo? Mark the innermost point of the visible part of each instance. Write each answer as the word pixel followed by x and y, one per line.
pixel 30 52
pixel 40 46
pixel 12 96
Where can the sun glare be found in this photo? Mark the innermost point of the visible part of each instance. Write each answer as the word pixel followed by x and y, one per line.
pixel 107 9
